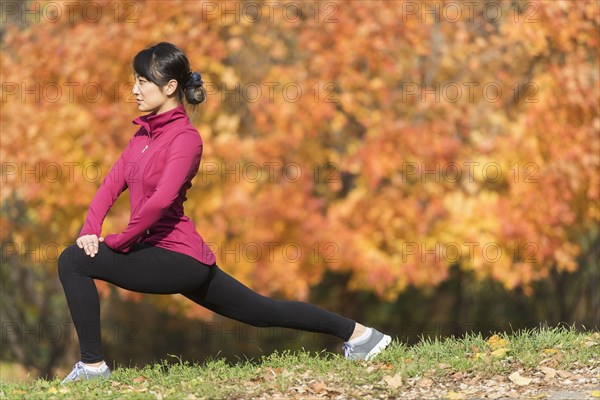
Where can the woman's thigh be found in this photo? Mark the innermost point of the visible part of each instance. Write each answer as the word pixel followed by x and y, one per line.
pixel 145 269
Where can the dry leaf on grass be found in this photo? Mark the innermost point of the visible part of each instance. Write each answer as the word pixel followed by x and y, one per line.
pixel 455 396
pixel 425 382
pixel 515 377
pixel 318 387
pixel 564 374
pixel 549 373
pixel 393 381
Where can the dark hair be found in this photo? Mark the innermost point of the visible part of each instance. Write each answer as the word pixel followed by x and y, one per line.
pixel 164 61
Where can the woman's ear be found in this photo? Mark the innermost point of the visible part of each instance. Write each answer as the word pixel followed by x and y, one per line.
pixel 171 87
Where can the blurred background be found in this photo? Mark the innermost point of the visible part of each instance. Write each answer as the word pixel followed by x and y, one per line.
pixel 427 168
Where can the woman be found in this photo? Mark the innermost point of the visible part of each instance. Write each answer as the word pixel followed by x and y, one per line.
pixel 160 251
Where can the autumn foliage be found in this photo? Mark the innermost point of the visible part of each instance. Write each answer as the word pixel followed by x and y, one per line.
pixel 419 141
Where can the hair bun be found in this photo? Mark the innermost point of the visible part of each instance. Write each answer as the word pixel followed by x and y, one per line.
pixel 195 80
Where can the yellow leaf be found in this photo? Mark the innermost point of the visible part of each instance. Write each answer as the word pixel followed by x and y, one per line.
pixel 479 356
pixel 515 377
pixel 501 352
pixel 550 351
pixel 595 393
pixel 52 390
pixel 455 395
pixel 496 342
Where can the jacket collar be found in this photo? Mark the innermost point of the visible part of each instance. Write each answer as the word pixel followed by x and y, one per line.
pixel 153 123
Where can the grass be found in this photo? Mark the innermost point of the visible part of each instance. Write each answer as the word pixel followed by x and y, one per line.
pixel 286 374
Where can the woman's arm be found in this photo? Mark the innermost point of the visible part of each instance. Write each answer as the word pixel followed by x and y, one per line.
pixel 108 192
pixel 181 164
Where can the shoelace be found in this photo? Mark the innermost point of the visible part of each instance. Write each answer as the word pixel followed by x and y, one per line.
pixel 347 347
pixel 76 371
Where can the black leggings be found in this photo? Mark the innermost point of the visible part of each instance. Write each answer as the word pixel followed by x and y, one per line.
pixel 152 269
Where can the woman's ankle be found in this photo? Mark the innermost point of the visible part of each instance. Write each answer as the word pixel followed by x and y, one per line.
pixel 96 364
pixel 358 330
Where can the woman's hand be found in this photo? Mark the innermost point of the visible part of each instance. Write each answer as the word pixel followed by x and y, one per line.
pixel 89 243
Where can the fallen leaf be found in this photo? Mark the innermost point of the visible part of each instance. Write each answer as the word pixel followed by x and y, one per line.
pixel 52 390
pixel 496 342
pixel 564 374
pixel 370 369
pixel 139 379
pixel 425 382
pixel 550 351
pixel 393 381
pixel 595 393
pixel 499 353
pixel 443 366
pixel 549 373
pixel 455 395
pixel 515 377
pixel 318 387
pixel 271 373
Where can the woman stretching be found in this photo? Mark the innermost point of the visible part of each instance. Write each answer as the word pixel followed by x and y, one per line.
pixel 160 251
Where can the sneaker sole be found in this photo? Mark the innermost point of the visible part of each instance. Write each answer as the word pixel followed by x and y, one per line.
pixel 383 343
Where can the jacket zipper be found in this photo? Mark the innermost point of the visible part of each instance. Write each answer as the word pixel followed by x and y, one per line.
pixel 144 149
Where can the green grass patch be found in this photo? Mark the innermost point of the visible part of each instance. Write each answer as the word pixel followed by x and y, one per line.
pixel 300 373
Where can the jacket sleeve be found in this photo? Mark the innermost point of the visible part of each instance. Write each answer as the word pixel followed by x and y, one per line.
pixel 181 164
pixel 106 195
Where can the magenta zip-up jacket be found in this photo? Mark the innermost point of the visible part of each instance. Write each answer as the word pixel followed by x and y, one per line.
pixel 157 166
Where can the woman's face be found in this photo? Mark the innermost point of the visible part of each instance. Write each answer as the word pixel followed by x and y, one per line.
pixel 151 97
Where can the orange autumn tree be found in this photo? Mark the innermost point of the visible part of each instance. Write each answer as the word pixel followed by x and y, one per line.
pixel 371 138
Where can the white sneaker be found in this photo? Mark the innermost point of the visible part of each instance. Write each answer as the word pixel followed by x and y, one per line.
pixel 81 372
pixel 366 348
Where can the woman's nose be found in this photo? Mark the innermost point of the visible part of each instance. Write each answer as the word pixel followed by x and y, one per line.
pixel 135 89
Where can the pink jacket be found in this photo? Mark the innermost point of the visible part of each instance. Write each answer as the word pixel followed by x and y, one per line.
pixel 157 166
